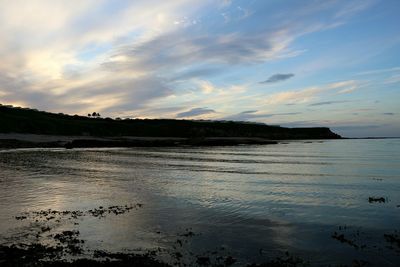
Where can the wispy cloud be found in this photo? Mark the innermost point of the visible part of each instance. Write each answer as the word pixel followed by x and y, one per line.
pixel 194 112
pixel 278 78
pixel 310 94
pixel 393 79
pixel 354 7
pixel 250 115
pixel 326 103
pixel 378 71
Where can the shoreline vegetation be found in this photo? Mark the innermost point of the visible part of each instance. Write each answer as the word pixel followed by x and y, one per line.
pixel 30 128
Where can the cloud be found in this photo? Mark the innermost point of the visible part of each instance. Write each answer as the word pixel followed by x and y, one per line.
pixel 196 73
pixel 249 115
pixel 109 95
pixel 278 78
pixel 132 57
pixel 182 48
pixel 393 79
pixel 237 14
pixel 294 97
pixel 379 71
pixel 311 93
pixel 206 87
pixel 326 103
pixel 354 7
pixel 220 46
pixel 195 112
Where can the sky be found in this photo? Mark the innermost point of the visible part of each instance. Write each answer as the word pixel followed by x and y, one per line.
pixel 291 63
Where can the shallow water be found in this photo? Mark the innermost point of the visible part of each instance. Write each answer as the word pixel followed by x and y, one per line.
pixel 256 202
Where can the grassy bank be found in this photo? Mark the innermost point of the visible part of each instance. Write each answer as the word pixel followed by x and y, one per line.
pixel 28 121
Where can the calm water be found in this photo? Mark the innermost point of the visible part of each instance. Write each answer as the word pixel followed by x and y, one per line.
pixel 254 201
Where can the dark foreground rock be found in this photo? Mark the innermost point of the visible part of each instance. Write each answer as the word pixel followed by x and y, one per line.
pixel 43 256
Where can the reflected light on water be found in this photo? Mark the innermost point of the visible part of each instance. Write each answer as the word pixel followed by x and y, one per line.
pixel 246 198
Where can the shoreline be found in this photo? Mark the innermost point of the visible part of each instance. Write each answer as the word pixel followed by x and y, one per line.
pixel 10 141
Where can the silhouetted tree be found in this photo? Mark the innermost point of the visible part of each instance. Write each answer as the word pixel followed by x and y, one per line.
pixel 94 115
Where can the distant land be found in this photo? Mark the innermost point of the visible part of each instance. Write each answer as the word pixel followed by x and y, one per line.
pixel 24 127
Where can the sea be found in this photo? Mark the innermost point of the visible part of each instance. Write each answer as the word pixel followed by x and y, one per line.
pixel 323 202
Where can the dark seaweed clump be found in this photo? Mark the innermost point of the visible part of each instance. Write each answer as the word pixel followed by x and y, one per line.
pixel 376 199
pixel 71 241
pixel 100 212
pixel 43 256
